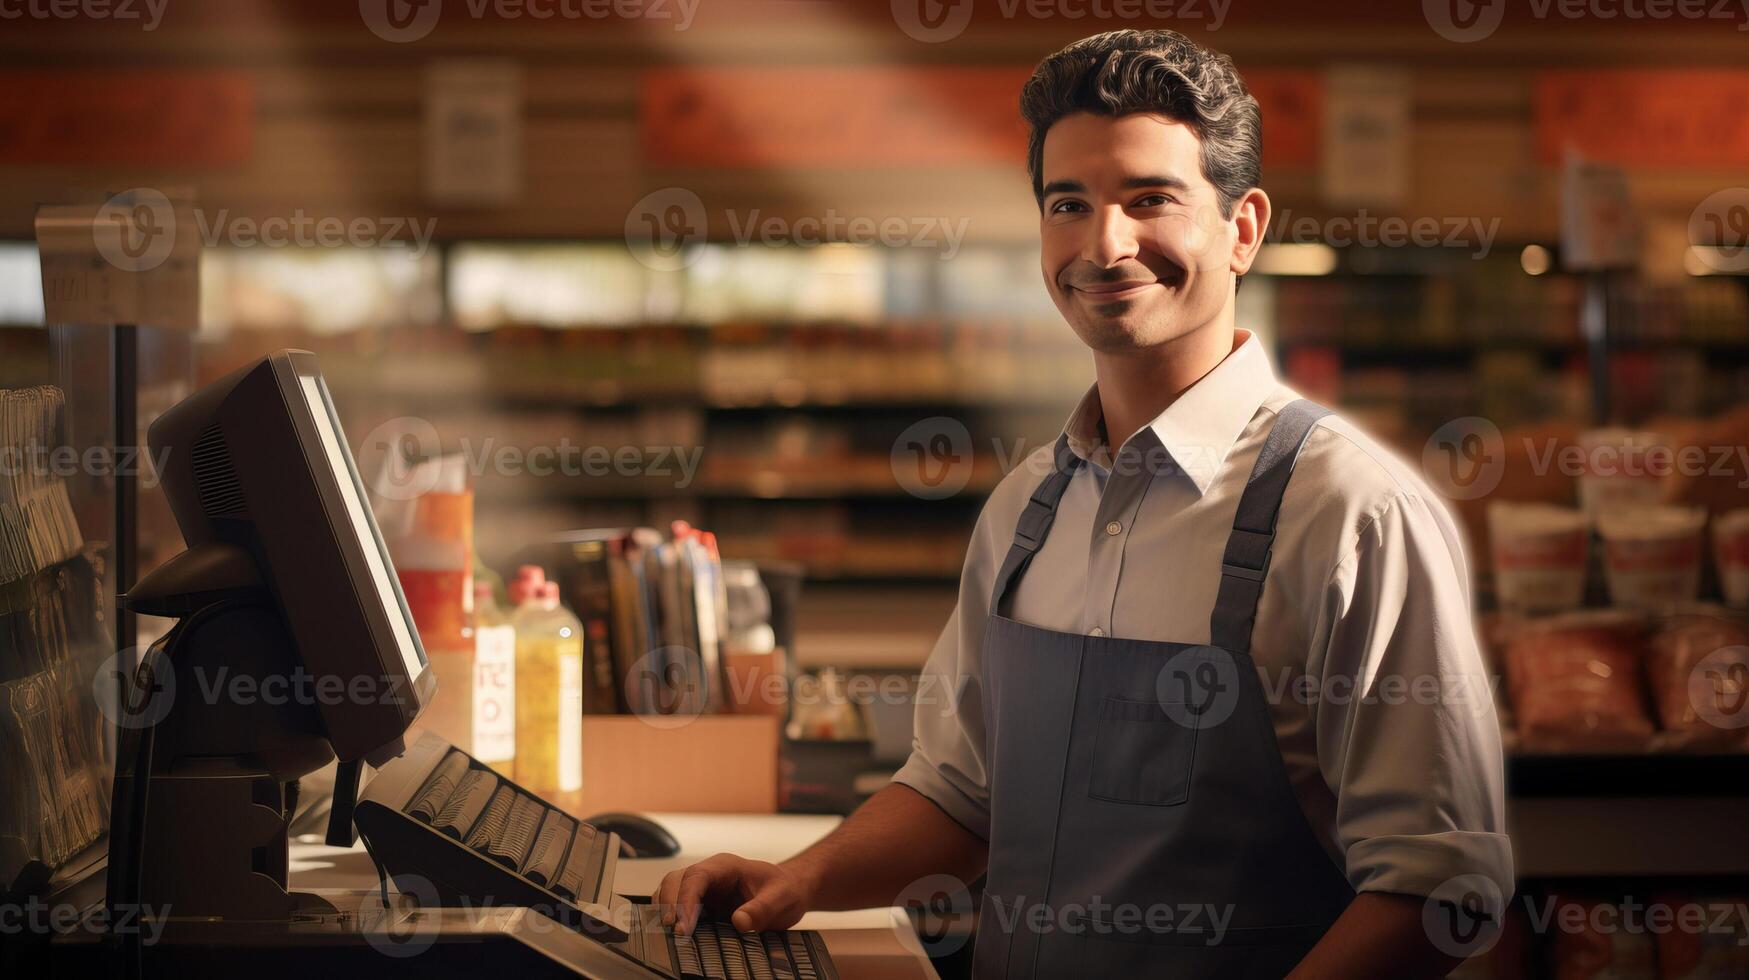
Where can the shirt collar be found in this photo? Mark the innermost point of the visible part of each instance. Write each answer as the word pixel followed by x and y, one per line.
pixel 1200 427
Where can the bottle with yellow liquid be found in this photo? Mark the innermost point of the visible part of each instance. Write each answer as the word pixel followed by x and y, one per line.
pixel 549 687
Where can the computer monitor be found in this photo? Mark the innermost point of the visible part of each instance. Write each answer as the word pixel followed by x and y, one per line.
pixel 258 460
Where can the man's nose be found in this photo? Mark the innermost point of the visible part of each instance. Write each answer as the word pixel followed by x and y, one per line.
pixel 1111 237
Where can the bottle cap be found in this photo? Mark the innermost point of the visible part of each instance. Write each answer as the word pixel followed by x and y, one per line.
pixel 550 594
pixel 529 581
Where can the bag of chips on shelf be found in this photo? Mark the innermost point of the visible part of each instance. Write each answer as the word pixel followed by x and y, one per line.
pixel 1697 666
pixel 1575 682
pixel 1590 943
pixel 1707 939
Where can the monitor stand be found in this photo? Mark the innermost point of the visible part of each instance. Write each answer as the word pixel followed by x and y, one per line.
pixel 217 725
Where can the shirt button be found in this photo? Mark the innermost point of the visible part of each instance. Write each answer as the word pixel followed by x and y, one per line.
pixel 1114 528
pixel 1097 632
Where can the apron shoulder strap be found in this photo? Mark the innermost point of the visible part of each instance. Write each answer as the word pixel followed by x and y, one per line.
pixel 1246 560
pixel 1035 521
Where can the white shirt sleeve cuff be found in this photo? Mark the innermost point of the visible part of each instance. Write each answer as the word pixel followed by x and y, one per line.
pixel 938 788
pixel 1435 865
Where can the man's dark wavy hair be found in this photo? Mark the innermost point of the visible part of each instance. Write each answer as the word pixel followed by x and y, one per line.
pixel 1123 72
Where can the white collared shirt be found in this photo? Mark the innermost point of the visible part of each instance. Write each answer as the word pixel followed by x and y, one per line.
pixel 1364 635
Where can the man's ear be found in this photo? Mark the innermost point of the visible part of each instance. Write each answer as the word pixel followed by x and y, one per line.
pixel 1250 223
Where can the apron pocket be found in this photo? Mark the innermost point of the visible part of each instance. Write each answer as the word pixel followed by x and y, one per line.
pixel 1140 755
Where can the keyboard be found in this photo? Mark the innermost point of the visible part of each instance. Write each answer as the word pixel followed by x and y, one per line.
pixel 440 815
pixel 717 951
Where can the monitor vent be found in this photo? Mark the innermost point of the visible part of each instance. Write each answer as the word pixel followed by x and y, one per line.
pixel 215 480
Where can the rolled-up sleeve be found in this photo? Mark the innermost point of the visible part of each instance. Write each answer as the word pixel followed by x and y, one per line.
pixel 947 746
pixel 1408 739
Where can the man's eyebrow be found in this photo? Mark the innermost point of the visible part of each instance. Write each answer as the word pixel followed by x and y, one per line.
pixel 1129 183
pixel 1135 183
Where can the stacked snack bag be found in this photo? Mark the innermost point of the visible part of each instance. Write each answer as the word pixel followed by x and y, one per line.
pixel 1657 668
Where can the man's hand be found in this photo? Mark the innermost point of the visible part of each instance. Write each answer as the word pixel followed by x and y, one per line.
pixel 759 895
pixel 869 860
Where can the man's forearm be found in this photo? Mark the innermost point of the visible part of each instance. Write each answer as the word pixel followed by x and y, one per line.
pixel 1379 935
pixel 891 841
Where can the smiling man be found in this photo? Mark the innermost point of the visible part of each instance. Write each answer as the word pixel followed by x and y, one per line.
pixel 1218 705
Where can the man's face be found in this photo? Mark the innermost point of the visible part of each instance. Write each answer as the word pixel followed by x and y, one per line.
pixel 1136 252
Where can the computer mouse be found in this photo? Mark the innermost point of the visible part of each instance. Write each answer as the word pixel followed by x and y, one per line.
pixel 645 838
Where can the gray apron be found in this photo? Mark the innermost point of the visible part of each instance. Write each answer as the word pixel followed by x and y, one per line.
pixel 1142 823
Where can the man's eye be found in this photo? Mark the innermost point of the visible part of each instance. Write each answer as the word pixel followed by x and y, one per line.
pixel 1066 207
pixel 1153 201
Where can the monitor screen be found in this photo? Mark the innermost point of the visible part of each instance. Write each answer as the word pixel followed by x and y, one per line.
pixel 364 527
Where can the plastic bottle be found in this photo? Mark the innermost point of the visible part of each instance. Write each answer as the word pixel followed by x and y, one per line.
pixel 494 680
pixel 430 553
pixel 549 687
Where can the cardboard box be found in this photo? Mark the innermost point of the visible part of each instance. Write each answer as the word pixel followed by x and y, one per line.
pixel 708 764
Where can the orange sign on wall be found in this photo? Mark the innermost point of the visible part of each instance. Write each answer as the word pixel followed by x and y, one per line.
pixel 1645 117
pixel 126 118
pixel 891 116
